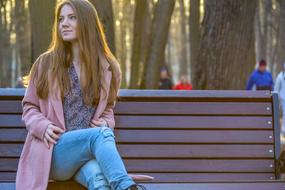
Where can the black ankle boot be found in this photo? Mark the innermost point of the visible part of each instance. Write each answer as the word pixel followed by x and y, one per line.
pixel 136 187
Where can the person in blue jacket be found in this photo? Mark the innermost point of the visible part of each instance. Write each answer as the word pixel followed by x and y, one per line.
pixel 260 78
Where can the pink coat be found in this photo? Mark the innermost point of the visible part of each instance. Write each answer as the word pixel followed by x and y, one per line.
pixel 35 161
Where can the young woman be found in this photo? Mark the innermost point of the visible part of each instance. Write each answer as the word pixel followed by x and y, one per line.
pixel 68 108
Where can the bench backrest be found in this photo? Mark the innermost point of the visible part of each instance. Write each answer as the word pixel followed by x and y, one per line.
pixel 176 136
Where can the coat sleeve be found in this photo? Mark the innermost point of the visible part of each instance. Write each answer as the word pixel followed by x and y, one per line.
pixel 108 113
pixel 36 123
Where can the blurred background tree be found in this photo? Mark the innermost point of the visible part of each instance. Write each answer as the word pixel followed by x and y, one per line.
pixel 216 43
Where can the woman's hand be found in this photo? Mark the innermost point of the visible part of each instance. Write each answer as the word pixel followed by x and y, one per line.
pixel 98 122
pixel 52 134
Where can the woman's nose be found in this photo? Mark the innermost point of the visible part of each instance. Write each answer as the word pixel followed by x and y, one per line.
pixel 65 22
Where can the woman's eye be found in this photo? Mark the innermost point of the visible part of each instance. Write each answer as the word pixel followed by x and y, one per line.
pixel 72 17
pixel 60 19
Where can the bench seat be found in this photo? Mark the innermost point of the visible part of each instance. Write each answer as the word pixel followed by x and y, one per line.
pixel 212 140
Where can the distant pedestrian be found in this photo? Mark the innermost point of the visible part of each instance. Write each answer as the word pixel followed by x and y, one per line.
pixel 184 84
pixel 280 88
pixel 165 81
pixel 260 78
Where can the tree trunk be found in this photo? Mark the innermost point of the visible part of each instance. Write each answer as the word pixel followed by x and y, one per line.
pixel 22 37
pixel 261 23
pixel 280 56
pixel 105 12
pixel 5 46
pixel 123 44
pixel 227 44
pixel 194 34
pixel 42 17
pixel 141 13
pixel 158 39
pixel 183 70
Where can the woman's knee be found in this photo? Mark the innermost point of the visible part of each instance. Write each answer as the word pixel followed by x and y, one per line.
pixel 107 132
pixel 91 176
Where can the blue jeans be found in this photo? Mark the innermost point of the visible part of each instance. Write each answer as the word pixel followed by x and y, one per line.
pixel 74 157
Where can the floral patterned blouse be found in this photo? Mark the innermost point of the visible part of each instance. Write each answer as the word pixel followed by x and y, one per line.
pixel 77 115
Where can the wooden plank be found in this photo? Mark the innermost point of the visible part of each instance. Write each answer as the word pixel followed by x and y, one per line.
pixel 12 93
pixel 8 164
pixel 12 135
pixel 11 120
pixel 10 150
pixel 188 165
pixel 182 177
pixel 129 93
pixel 176 122
pixel 194 151
pixel 278 185
pixel 246 185
pixel 135 94
pixel 7 176
pixel 177 165
pixel 167 136
pixel 194 108
pixel 202 177
pixel 173 151
pixel 193 122
pixel 10 106
pixel 193 136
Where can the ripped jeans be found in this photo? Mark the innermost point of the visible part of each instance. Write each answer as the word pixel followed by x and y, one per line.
pixel 74 157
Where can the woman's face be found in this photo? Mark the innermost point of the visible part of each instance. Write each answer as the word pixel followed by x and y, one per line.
pixel 67 24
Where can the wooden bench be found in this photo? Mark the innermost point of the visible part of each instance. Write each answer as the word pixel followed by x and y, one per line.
pixel 187 140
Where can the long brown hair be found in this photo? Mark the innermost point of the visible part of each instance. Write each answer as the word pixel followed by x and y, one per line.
pixel 92 43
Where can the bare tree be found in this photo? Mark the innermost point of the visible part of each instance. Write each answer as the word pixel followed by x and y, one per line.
pixel 227 45
pixel 23 39
pixel 139 37
pixel 280 56
pixel 158 39
pixel 5 45
pixel 183 53
pixel 194 33
pixel 42 16
pixel 105 12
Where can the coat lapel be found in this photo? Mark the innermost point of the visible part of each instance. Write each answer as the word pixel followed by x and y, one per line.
pixel 58 108
pixel 107 76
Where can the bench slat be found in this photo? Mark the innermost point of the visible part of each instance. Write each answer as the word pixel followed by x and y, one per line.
pixel 195 151
pixel 179 165
pixel 197 122
pixel 182 177
pixel 194 108
pixel 167 165
pixel 202 177
pixel 11 120
pixel 260 185
pixel 13 135
pixel 167 136
pixel 173 151
pixel 127 94
pixel 221 108
pixel 193 136
pixel 10 150
pixel 175 122
pixel 219 186
pixel 10 106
